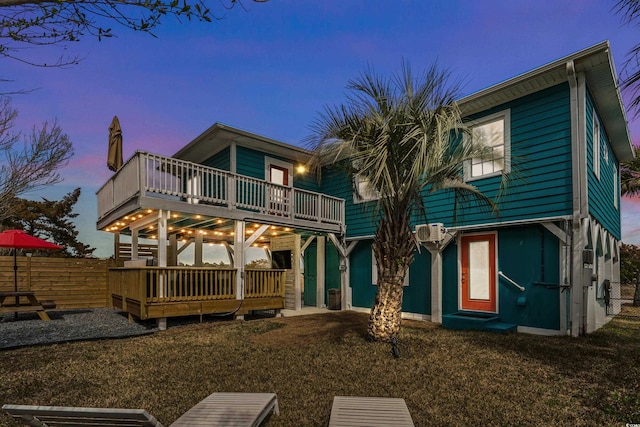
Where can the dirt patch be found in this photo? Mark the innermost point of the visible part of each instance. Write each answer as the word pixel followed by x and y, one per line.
pixel 314 328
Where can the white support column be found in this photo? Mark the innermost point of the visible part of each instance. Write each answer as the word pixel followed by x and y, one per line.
pixel 162 258
pixel 320 269
pixel 345 280
pixel 162 238
pixel 436 276
pixel 238 257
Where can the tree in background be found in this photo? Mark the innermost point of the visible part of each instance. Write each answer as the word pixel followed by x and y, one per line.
pixel 52 221
pixel 58 22
pixel 28 163
pixel 630 268
pixel 400 137
pixel 630 75
pixel 630 176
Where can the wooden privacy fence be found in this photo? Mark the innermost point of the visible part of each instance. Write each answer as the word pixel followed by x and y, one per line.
pixel 70 282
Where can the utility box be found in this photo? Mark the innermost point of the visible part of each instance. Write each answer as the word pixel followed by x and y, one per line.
pixel 335 298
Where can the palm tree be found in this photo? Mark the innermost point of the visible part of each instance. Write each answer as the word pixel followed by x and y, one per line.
pixel 630 176
pixel 401 135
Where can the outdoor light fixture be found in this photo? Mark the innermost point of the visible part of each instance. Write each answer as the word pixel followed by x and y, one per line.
pixel 301 169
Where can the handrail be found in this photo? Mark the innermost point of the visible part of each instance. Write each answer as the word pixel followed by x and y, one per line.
pixel 511 281
pixel 196 183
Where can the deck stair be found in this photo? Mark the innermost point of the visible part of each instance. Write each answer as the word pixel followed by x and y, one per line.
pixel 473 320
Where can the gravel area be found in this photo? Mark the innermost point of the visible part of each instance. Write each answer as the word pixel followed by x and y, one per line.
pixel 68 325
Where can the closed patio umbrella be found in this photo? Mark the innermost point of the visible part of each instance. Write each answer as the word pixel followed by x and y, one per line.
pixel 114 158
pixel 18 239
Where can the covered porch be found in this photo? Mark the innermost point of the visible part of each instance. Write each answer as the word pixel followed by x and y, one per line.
pixel 160 208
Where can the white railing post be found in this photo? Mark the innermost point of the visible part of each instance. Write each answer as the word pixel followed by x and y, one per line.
pixel 231 190
pixel 319 208
pixel 142 172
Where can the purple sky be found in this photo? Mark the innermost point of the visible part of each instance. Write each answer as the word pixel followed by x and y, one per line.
pixel 270 69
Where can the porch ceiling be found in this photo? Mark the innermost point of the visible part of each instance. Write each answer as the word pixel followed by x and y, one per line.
pixel 186 226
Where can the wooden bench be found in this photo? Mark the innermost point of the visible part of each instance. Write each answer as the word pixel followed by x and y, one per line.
pixel 30 304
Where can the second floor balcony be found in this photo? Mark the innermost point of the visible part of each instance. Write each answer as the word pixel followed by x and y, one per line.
pixel 149 181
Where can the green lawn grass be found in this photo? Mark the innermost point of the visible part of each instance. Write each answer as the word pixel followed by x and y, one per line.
pixel 447 378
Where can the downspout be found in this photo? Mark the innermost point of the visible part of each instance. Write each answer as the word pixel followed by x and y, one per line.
pixel 578 173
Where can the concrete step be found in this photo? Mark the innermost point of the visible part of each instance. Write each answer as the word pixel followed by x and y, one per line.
pixel 479 321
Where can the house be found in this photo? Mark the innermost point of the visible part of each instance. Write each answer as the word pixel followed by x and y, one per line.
pixel 546 264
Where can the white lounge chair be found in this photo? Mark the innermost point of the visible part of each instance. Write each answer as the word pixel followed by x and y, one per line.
pixel 352 411
pixel 218 409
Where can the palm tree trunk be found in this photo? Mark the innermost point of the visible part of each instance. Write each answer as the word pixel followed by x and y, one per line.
pixel 393 248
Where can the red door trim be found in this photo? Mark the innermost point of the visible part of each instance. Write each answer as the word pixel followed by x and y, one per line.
pixel 466 302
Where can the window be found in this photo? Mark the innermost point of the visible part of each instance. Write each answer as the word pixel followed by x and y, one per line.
pixel 374 272
pixel 616 185
pixel 596 145
pixel 493 134
pixel 362 190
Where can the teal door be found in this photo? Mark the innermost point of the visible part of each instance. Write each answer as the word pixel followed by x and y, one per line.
pixel 310 275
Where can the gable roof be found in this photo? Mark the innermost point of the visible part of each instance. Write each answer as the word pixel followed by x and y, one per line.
pixel 597 65
pixel 220 136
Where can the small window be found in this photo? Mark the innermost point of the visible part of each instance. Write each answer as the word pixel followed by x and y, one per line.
pixel 363 192
pixel 494 135
pixel 596 145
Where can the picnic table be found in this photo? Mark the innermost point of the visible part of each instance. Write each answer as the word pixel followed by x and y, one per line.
pixel 19 305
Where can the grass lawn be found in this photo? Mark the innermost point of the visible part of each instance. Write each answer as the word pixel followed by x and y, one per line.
pixel 447 378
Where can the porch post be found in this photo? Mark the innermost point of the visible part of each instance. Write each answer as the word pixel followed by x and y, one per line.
pixel 198 250
pixel 134 244
pixel 320 267
pixel 162 258
pixel 238 259
pixel 116 247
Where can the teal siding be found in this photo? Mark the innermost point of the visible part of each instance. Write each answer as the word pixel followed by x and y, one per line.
pixel 332 270
pixel 251 163
pixel 450 279
pixel 220 160
pixel 541 250
pixel 417 296
pixel 362 290
pixel 601 191
pixel 540 179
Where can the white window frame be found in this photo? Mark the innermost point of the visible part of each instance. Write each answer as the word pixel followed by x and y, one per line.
pixel 367 195
pixel 616 186
pixel 505 116
pixel 374 272
pixel 596 145
pixel 268 161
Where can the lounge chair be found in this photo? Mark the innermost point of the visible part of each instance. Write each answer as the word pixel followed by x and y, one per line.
pixel 218 409
pixel 369 411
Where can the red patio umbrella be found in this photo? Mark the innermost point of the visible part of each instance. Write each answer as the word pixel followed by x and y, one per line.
pixel 18 239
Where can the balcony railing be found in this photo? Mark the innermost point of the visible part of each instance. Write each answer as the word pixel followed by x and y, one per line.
pixel 149 174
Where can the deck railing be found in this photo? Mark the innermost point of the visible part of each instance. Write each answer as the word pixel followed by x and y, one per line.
pixel 264 283
pixel 150 174
pixel 183 284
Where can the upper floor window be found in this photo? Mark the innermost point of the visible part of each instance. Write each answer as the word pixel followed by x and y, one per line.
pixel 493 135
pixel 596 145
pixel 363 192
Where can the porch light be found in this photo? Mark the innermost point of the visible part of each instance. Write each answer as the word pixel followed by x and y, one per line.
pixel 301 169
pixel 183 230
pixel 287 229
pixel 151 227
pixel 153 236
pixel 198 216
pixel 174 216
pixel 249 231
pixel 170 228
pixel 149 210
pixel 274 234
pixel 126 217
pixel 273 227
pixel 256 225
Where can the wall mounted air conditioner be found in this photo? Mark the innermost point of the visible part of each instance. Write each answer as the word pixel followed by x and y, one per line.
pixel 430 233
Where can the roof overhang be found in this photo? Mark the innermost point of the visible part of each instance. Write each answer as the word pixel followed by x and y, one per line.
pixel 597 65
pixel 220 136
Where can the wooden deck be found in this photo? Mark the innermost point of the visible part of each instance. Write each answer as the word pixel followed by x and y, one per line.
pixel 158 292
pixel 157 182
